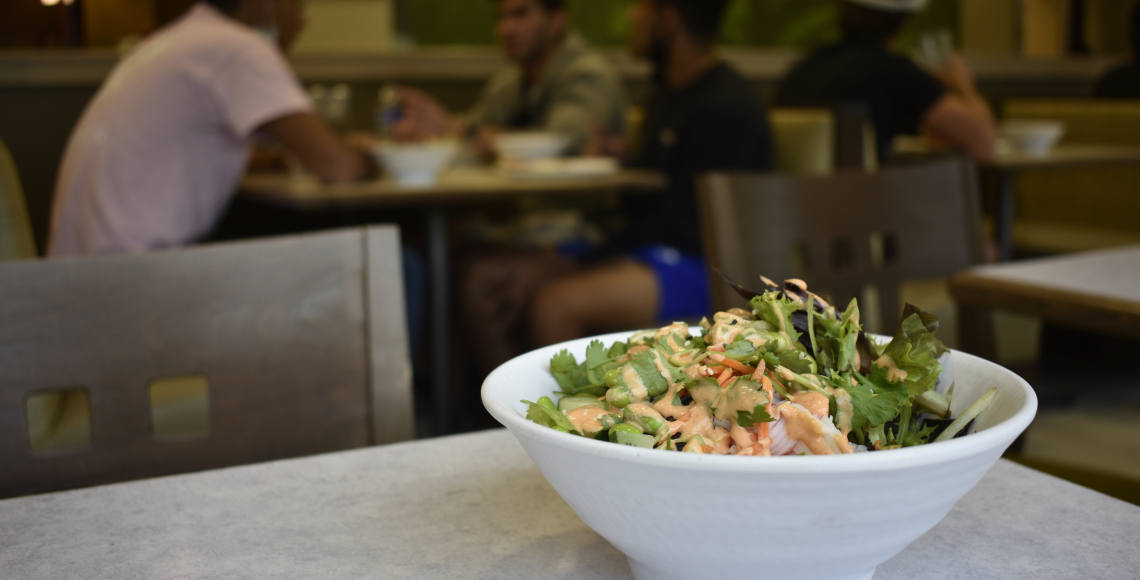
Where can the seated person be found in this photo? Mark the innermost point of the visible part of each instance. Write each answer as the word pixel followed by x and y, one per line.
pixel 1123 82
pixel 702 116
pixel 555 82
pixel 159 151
pixel 903 99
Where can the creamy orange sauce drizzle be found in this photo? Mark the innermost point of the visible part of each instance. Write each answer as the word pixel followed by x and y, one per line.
pixel 587 420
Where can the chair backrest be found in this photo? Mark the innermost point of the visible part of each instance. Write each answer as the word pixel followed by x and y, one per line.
pixel 844 234
pixel 819 140
pixel 804 140
pixel 301 342
pixel 16 240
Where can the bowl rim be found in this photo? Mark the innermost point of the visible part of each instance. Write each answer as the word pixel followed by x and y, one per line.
pixel 998 435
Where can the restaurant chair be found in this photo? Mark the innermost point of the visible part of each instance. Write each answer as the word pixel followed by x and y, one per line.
pixel 16 241
pixel 1079 209
pixel 131 366
pixel 819 140
pixel 849 234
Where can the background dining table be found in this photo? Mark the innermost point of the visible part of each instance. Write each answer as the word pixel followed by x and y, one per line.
pixel 475 506
pixel 1097 291
pixel 460 187
pixel 1008 164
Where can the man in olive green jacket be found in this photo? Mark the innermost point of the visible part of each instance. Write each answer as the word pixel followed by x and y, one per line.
pixel 556 83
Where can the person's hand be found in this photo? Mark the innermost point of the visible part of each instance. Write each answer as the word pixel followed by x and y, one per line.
pixel 483 141
pixel 362 140
pixel 423 117
pixel 603 144
pixel 955 74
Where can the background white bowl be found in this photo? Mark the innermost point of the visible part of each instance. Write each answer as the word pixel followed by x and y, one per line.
pixel 415 164
pixel 678 515
pixel 530 145
pixel 1032 137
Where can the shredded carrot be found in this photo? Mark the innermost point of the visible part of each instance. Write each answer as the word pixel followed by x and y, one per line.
pixel 724 377
pixel 758 373
pixel 738 366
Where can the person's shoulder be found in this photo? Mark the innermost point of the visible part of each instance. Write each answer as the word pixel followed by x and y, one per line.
pixel 727 90
pixel 588 61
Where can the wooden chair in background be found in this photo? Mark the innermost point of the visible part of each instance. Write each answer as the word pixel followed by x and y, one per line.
pixel 16 241
pixel 849 234
pixel 297 345
pixel 820 140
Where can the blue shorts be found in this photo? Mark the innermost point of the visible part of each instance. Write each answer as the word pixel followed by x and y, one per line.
pixel 683 282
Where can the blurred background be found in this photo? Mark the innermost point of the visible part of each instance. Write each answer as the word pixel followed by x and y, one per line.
pixel 54 54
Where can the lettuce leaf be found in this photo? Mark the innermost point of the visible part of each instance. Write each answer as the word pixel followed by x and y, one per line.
pixel 915 350
pixel 545 413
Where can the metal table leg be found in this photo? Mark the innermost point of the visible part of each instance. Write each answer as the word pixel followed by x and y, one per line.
pixel 439 307
pixel 1003 214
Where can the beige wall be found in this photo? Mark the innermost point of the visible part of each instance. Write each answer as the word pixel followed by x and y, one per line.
pixel 348 26
pixel 1044 27
pixel 989 26
pixel 106 22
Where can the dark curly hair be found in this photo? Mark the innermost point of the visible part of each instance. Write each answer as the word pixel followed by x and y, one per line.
pixel 702 18
pixel 227 6
pixel 547 5
pixel 861 24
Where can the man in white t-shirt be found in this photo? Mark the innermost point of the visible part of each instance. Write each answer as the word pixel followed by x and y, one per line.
pixel 158 153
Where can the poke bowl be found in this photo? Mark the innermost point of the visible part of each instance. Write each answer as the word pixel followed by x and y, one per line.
pixel 697 515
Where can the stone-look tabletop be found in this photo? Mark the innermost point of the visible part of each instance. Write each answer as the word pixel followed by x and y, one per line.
pixel 1098 290
pixel 474 506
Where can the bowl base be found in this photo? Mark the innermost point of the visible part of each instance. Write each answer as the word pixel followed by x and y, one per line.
pixel 643 571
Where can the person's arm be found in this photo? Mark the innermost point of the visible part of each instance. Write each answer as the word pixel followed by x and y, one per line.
pixel 320 151
pixel 423 117
pixel 961 118
pixel 582 105
pixel 958 124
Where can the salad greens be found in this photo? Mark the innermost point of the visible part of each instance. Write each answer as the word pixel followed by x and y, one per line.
pixel 791 375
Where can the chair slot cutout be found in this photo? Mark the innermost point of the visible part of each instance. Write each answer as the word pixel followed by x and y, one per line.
pixel 59 421
pixel 179 407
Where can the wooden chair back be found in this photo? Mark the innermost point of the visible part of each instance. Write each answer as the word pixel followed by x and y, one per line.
pixel 300 340
pixel 819 140
pixel 850 234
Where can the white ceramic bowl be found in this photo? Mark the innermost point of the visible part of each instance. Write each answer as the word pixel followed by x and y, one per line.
pixel 415 164
pixel 530 145
pixel 1032 137
pixel 684 516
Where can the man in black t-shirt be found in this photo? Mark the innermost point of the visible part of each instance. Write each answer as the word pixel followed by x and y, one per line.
pixel 1123 82
pixel 902 98
pixel 702 116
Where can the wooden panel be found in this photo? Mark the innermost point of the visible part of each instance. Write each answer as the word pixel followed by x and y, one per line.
pixel 276 327
pixel 107 22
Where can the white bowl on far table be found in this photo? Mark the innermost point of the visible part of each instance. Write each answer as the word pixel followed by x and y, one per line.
pixel 530 145
pixel 1032 137
pixel 415 164
pixel 679 515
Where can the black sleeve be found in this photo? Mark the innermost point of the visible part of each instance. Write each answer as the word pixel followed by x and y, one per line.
pixel 723 139
pixel 915 92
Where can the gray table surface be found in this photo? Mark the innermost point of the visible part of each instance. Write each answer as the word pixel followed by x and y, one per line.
pixel 474 506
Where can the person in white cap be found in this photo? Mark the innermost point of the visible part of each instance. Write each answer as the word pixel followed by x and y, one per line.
pixel 902 98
